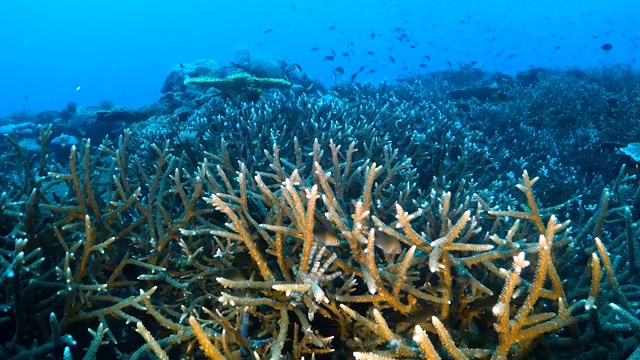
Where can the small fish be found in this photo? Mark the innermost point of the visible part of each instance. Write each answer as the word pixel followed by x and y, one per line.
pixel 315 48
pixel 423 65
pixel 372 35
pixel 370 52
pixel 427 57
pixel 181 66
pixel 362 68
pixel 387 243
pixel 511 56
pixel 329 57
pixel 353 76
pixel 325 236
pixel 268 31
pixel 339 70
pixel 371 71
pixel 557 47
pixel 392 59
pixel 332 27
pixel 297 67
pixel 345 54
pixel 606 47
pixel 449 63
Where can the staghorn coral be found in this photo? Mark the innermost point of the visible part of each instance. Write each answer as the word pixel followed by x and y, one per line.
pixel 232 264
pixel 359 244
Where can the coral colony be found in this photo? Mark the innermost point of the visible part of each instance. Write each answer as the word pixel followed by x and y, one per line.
pixel 452 215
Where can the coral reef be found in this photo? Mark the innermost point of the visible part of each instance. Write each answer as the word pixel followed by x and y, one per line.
pixel 331 226
pixel 239 84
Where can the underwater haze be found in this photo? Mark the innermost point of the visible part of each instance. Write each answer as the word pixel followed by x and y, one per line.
pixel 53 52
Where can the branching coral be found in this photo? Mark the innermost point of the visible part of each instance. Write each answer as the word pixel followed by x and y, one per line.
pixel 320 252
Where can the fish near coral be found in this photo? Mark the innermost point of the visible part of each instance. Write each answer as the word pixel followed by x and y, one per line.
pixel 325 236
pixel 387 243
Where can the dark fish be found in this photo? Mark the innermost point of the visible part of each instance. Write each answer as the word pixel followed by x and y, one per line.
pixel 268 31
pixel 371 71
pixel 449 63
pixel 315 48
pixel 511 56
pixel 181 66
pixel 332 27
pixel 393 60
pixel 606 47
pixel 353 76
pixel 362 68
pixel 297 67
pixel 423 65
pixel 339 70
pixel 325 236
pixel 345 54
pixel 372 35
pixel 557 47
pixel 370 52
pixel 427 57
pixel 412 46
pixel 330 57
pixel 473 63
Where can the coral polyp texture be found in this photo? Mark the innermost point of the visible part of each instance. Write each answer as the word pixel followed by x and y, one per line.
pixel 382 221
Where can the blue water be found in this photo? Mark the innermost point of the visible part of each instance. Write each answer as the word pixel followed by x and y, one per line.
pixel 53 52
